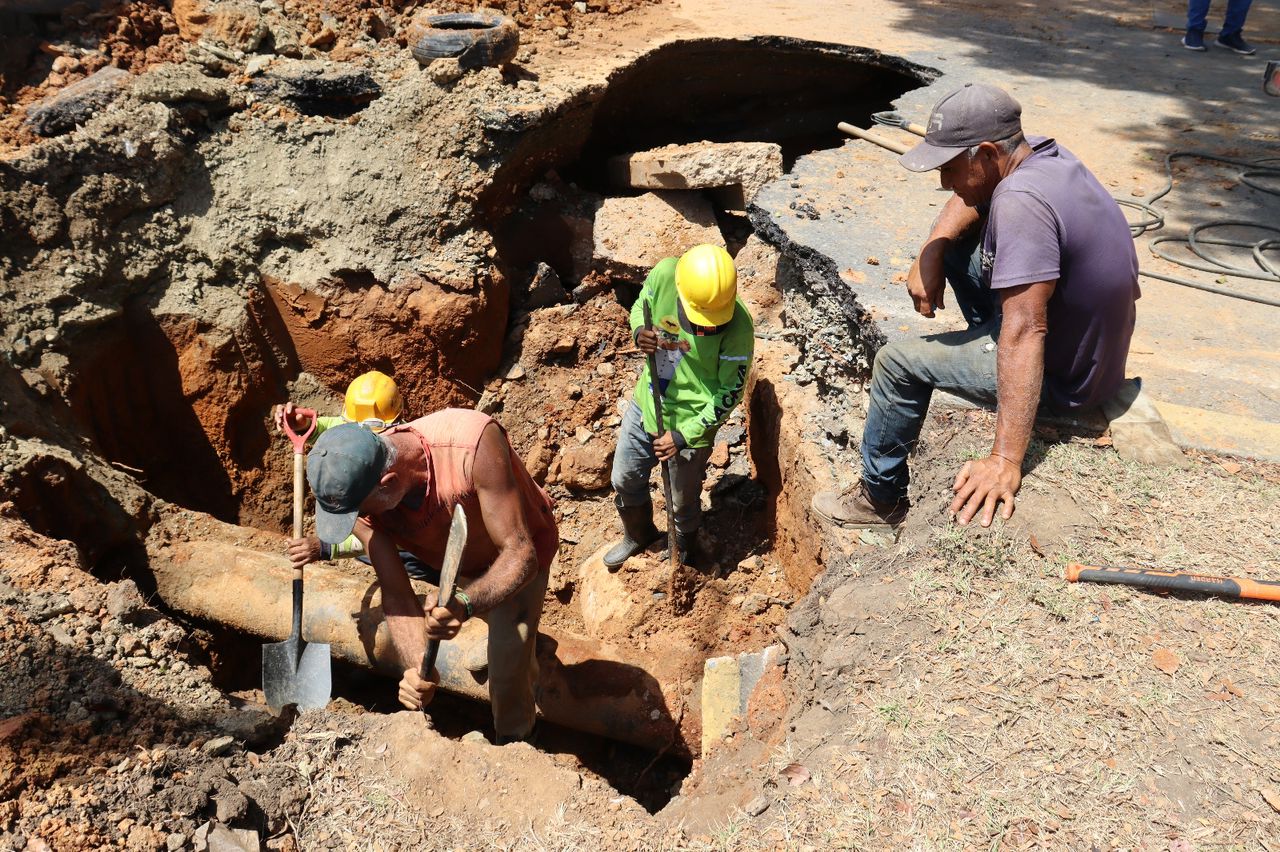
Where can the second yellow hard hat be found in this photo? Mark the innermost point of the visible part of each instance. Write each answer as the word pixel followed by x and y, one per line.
pixel 373 396
pixel 708 284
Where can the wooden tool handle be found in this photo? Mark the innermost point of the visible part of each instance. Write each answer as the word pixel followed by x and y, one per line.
pixel 299 493
pixel 873 138
pixel 429 659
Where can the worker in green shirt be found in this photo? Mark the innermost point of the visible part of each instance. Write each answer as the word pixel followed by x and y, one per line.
pixel 372 401
pixel 703 338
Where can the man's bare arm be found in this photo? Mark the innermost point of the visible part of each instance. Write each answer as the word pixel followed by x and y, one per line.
pixel 926 282
pixel 502 510
pixel 400 605
pixel 996 479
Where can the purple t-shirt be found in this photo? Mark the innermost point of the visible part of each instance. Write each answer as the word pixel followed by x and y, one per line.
pixel 1052 219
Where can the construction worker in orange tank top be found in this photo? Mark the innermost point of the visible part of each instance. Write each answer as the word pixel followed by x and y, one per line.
pixel 396 491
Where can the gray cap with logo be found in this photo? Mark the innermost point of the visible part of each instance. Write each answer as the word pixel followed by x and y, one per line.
pixel 344 467
pixel 971 114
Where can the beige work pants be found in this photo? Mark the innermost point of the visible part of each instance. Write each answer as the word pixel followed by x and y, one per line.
pixel 513 665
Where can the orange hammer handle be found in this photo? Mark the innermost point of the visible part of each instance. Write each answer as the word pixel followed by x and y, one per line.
pixel 1229 587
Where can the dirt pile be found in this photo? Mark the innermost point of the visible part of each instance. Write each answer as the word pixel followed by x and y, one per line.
pixel 114 734
pixel 51 51
pixel 149 281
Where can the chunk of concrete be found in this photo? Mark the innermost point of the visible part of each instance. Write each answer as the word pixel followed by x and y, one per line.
pixel 633 234
pixel 744 166
pixel 185 82
pixel 727 685
pixel 316 88
pixel 1138 432
pixel 237 24
pixel 545 289
pixel 77 103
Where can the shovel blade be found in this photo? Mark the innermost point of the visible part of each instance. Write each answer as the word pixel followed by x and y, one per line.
pixel 296 672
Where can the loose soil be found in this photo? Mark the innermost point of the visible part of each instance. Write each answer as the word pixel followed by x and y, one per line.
pixel 943 690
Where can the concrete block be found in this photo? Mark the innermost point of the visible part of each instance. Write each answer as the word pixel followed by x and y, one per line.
pixel 745 166
pixel 633 234
pixel 1138 432
pixel 727 686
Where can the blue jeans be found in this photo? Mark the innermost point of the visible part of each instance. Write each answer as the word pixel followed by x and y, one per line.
pixel 413 566
pixel 906 372
pixel 1232 23
pixel 634 460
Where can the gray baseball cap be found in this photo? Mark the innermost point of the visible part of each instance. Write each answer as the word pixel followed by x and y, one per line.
pixel 344 467
pixel 971 114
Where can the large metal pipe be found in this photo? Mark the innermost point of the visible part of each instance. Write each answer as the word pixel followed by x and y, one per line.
pixel 224 574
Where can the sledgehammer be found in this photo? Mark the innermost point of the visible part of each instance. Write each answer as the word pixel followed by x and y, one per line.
pixel 1227 587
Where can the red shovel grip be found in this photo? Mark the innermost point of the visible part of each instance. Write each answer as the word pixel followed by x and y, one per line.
pixel 299 441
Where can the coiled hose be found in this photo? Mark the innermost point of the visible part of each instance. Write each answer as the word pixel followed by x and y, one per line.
pixel 1255 175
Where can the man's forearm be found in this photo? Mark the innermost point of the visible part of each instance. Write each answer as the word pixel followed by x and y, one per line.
pixel 1019 377
pixel 400 608
pixel 954 221
pixel 509 573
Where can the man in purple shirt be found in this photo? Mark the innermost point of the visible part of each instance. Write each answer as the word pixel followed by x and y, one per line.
pixel 1042 266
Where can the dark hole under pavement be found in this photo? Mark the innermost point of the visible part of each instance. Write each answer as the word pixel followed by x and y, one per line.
pixel 787 91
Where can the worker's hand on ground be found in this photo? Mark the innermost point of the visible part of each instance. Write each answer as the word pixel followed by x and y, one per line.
pixel 416 693
pixel 297 422
pixel 647 341
pixel 664 447
pixel 303 550
pixel 983 483
pixel 927 282
pixel 444 622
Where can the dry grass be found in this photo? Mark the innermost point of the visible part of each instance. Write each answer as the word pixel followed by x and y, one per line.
pixel 1024 712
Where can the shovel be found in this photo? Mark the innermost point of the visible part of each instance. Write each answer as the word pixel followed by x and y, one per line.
pixel 672 549
pixel 293 671
pixel 448 580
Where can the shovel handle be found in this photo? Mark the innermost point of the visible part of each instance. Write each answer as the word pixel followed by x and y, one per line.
pixel 874 138
pixel 299 479
pixel 299 441
pixel 299 492
pixel 672 549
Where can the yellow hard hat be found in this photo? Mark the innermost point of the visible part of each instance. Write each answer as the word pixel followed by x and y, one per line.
pixel 373 400
pixel 708 284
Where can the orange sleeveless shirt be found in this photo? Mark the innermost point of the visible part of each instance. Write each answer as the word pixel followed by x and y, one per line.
pixel 449 440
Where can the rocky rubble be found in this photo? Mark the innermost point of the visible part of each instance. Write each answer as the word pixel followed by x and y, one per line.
pixel 113 732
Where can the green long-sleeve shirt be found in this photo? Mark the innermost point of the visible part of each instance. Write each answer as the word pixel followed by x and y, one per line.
pixel 702 372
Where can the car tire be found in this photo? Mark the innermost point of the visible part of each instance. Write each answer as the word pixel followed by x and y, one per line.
pixel 475 39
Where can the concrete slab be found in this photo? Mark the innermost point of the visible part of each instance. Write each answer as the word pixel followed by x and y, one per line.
pixel 633 234
pixel 1217 432
pixel 743 166
pixel 727 686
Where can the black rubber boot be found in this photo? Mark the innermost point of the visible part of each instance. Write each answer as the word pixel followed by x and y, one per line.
pixel 687 546
pixel 638 532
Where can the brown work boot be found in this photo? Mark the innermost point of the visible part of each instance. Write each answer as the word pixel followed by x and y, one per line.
pixel 853 509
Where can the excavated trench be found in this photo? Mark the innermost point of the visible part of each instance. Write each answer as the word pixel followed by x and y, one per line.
pixel 173 391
